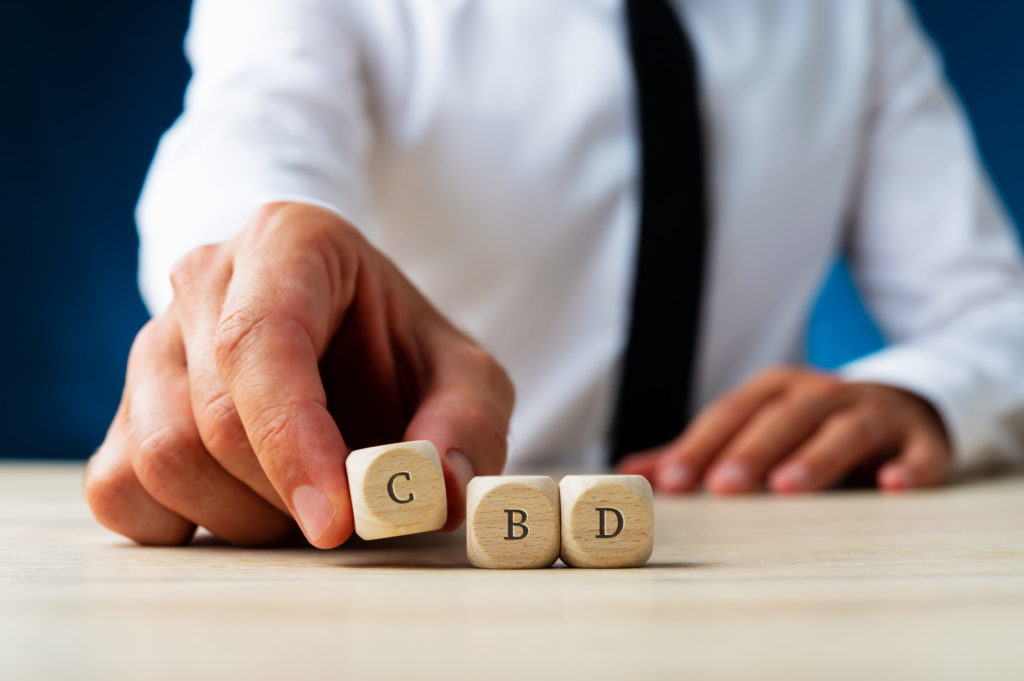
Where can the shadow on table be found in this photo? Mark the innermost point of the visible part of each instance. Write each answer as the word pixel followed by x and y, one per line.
pixel 430 551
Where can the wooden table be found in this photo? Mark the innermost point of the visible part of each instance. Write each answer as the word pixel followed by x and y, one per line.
pixel 850 585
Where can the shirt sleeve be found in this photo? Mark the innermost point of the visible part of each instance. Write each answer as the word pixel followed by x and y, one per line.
pixel 935 255
pixel 275 111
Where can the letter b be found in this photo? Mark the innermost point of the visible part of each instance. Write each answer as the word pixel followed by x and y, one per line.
pixel 512 524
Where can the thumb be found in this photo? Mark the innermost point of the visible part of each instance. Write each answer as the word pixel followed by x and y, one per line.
pixel 465 413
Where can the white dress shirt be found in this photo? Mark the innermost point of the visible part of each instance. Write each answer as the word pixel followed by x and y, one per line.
pixel 489 148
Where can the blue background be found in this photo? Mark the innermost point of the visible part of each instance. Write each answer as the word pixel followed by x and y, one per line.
pixel 89 87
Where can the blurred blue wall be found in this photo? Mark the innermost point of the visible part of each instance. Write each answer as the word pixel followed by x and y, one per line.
pixel 88 87
pixel 984 54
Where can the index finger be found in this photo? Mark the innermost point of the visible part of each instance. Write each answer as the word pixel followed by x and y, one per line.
pixel 267 351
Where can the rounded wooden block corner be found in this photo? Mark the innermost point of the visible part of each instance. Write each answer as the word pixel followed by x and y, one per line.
pixel 607 520
pixel 397 489
pixel 512 521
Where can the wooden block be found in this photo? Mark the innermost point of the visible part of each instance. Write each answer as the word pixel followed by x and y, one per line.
pixel 607 520
pixel 396 489
pixel 512 521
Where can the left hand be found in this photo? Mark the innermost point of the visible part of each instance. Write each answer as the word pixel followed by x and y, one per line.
pixel 799 430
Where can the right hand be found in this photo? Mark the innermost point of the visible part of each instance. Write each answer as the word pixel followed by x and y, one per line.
pixel 284 348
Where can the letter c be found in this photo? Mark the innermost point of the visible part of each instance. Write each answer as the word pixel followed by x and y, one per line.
pixel 391 488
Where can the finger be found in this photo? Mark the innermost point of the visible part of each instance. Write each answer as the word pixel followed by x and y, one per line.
pixel 775 431
pixel 465 413
pixel 120 503
pixel 284 302
pixel 643 463
pixel 925 461
pixel 847 439
pixel 200 279
pixel 169 458
pixel 686 458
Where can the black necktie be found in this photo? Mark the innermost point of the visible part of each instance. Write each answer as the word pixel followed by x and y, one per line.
pixel 657 379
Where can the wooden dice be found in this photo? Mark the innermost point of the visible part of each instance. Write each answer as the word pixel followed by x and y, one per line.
pixel 396 489
pixel 603 521
pixel 607 520
pixel 512 521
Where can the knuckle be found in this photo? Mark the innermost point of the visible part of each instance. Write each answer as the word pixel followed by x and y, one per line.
pixel 165 457
pixel 271 425
pixel 859 426
pixel 296 225
pixel 154 339
pixel 231 334
pixel 219 425
pixel 824 388
pixel 106 487
pixel 269 223
pixel 190 268
pixel 118 501
pixel 149 335
pixel 817 399
pixel 265 213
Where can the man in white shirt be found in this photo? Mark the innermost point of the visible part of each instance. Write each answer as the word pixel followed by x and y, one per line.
pixel 351 161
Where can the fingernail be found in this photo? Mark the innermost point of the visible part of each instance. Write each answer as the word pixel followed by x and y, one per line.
pixel 674 477
pixel 790 479
pixel 462 467
pixel 895 477
pixel 730 477
pixel 314 510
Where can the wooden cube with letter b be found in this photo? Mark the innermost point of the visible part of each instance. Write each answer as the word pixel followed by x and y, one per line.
pixel 512 521
pixel 396 489
pixel 607 520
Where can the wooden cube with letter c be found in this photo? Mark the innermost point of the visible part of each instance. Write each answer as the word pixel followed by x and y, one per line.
pixel 512 521
pixel 396 489
pixel 607 520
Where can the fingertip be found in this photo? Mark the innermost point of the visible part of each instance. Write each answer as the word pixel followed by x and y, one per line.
pixel 674 477
pixel 324 525
pixel 730 477
pixel 790 480
pixel 895 478
pixel 458 471
pixel 338 533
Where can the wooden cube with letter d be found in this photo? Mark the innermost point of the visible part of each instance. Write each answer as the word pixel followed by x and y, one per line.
pixel 607 520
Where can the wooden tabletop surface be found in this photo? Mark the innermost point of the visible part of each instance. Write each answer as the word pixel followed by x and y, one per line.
pixel 846 585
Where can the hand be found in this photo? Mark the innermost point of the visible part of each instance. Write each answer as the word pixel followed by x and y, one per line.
pixel 284 348
pixel 801 430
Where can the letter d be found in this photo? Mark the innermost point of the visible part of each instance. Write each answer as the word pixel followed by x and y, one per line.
pixel 602 533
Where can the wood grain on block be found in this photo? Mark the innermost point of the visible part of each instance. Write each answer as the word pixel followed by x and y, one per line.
pixel 512 521
pixel 607 520
pixel 396 489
